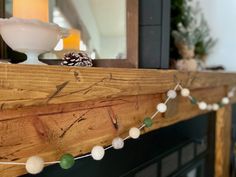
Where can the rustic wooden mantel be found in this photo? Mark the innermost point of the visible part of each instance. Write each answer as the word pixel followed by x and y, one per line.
pixel 50 110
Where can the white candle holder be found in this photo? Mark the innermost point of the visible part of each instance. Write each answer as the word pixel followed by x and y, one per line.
pixel 30 36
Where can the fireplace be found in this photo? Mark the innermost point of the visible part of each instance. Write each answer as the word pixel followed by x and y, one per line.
pixel 190 155
pixel 182 150
pixel 233 146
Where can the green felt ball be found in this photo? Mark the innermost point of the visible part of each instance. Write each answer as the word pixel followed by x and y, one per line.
pixel 67 161
pixel 220 104
pixel 193 100
pixel 148 122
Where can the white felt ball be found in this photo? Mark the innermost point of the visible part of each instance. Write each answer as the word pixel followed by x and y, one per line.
pixel 161 107
pixel 209 107
pixel 98 152
pixel 225 100
pixel 118 143
pixel 202 105
pixel 215 107
pixel 134 133
pixel 231 94
pixel 185 92
pixel 34 165
pixel 172 94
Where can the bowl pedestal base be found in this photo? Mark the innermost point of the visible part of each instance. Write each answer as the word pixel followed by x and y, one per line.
pixel 32 58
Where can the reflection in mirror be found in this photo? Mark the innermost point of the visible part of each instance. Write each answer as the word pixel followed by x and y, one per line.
pixel 96 26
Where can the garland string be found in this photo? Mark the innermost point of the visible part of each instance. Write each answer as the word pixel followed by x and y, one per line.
pixel 35 164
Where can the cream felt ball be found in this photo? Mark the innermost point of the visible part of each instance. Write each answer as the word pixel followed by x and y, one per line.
pixel 185 92
pixel 225 100
pixel 172 94
pixel 34 165
pixel 209 107
pixel 202 105
pixel 231 94
pixel 118 143
pixel 98 152
pixel 134 133
pixel 161 107
pixel 215 107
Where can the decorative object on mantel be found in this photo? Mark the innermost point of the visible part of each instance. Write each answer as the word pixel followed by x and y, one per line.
pixel 77 59
pixel 185 38
pixel 192 38
pixel 186 64
pixel 205 42
pixel 2 61
pixel 31 36
pixel 28 10
pixel 35 164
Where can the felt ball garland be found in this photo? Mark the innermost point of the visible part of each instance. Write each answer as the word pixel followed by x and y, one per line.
pixel 67 161
pixel 202 105
pixel 171 94
pixel 134 133
pixel 161 107
pixel 193 100
pixel 209 107
pixel 215 107
pixel 230 94
pixel 98 152
pixel 35 164
pixel 118 143
pixel 148 122
pixel 185 92
pixel 225 100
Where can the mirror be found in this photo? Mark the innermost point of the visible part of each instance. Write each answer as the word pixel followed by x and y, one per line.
pixel 106 29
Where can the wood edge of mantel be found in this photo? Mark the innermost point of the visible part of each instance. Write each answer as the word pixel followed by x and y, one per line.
pixel 34 85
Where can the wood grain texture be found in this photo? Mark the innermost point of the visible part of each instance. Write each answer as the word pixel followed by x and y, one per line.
pixel 223 142
pixel 47 110
pixel 50 131
pixel 24 85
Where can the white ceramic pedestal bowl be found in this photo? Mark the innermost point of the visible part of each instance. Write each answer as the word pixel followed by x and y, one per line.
pixel 30 36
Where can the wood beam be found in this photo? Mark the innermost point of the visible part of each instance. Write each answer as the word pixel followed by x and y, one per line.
pixel 25 85
pixel 46 108
pixel 223 141
pixel 47 130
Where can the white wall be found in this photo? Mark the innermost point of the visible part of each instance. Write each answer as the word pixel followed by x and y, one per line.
pixel 221 16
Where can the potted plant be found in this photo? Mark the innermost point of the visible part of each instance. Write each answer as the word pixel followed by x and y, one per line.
pixel 186 36
pixel 205 42
pixel 191 37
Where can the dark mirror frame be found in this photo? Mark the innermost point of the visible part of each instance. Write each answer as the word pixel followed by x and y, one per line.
pixel 2 44
pixel 131 39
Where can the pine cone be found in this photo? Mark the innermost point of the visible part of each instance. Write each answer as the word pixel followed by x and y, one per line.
pixel 77 59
